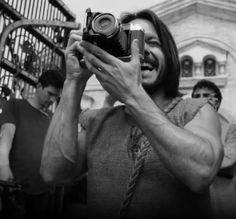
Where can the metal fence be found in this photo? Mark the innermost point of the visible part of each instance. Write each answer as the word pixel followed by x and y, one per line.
pixel 29 48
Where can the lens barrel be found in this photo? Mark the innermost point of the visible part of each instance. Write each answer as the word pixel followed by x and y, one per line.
pixel 105 24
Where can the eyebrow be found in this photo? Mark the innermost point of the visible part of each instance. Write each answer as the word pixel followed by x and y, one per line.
pixel 52 94
pixel 152 36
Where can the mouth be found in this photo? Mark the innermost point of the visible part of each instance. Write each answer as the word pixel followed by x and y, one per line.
pixel 147 66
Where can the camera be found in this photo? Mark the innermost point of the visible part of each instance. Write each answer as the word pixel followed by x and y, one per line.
pixel 105 31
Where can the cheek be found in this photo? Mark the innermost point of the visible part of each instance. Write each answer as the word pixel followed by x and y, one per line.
pixel 161 65
pixel 162 62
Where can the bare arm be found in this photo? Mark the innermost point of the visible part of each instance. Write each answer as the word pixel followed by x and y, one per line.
pixel 64 149
pixel 6 138
pixel 230 147
pixel 194 153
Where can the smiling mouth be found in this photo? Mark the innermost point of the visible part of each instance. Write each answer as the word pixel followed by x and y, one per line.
pixel 147 66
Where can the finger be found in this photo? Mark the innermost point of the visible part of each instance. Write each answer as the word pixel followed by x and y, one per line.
pixel 135 55
pixel 73 49
pixel 75 35
pixel 98 52
pixel 93 66
pixel 92 59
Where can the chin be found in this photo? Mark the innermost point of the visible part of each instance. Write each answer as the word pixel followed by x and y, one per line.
pixel 151 87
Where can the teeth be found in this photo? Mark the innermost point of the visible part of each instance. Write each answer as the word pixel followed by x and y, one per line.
pixel 147 66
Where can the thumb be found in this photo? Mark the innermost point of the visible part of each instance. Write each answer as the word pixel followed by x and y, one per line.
pixel 135 51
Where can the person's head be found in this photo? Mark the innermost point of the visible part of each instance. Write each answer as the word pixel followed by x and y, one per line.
pixel 49 87
pixel 161 67
pixel 207 89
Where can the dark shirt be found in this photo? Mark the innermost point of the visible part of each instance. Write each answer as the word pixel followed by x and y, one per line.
pixel 25 155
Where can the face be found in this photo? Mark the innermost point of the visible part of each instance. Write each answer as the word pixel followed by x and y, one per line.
pixel 207 93
pixel 153 66
pixel 47 95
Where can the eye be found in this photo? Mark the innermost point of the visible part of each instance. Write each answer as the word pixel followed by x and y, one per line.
pixel 196 96
pixel 154 43
pixel 206 95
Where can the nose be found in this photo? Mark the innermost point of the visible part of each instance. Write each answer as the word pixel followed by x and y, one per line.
pixel 52 99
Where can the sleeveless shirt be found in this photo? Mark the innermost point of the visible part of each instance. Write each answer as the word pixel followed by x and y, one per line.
pixel 158 194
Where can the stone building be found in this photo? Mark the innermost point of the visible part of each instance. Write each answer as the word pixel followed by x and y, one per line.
pixel 205 33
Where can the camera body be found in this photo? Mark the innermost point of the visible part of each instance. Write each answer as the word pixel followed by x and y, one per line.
pixel 104 30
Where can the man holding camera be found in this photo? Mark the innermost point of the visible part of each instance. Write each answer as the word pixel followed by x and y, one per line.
pixel 152 157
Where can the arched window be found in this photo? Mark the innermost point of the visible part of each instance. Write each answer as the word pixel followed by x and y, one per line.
pixel 186 66
pixel 209 66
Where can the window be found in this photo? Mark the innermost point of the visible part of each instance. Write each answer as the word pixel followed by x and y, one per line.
pixel 209 67
pixel 186 66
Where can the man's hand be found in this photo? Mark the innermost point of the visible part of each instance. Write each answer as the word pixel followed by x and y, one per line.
pixel 121 79
pixel 5 173
pixel 74 71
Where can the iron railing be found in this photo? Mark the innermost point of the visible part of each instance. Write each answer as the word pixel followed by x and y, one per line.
pixel 33 37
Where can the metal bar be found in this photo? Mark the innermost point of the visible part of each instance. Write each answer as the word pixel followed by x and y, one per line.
pixel 65 10
pixel 28 2
pixel 40 9
pixel 48 17
pixel 31 10
pixel 22 2
pixel 36 10
pixel 8 10
pixel 23 74
pixel 27 23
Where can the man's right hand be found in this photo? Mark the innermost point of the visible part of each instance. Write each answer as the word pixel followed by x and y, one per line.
pixel 5 173
pixel 73 68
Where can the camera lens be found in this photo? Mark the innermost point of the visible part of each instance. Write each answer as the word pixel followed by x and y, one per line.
pixel 105 24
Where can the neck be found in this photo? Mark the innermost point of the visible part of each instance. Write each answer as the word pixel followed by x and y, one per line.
pixel 161 100
pixel 34 103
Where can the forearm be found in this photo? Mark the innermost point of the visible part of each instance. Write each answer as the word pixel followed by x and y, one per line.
pixel 4 156
pixel 188 156
pixel 60 148
pixel 229 155
pixel 6 138
pixel 4 153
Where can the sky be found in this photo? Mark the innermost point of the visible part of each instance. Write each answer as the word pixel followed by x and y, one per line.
pixel 115 7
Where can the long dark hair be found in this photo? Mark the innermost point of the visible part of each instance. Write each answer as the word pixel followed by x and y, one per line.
pixel 170 81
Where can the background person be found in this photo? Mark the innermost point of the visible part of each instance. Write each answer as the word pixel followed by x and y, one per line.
pixel 23 127
pixel 223 189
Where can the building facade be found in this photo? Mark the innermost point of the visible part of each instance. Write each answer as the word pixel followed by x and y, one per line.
pixel 205 33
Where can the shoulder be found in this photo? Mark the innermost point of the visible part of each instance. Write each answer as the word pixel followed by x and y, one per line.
pixel 192 103
pixel 89 116
pixel 10 111
pixel 15 101
pixel 186 110
pixel 13 106
pixel 231 133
